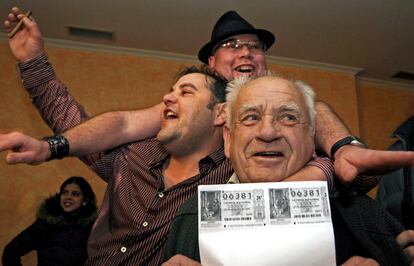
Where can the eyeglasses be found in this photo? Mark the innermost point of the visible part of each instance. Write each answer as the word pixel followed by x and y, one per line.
pixel 254 46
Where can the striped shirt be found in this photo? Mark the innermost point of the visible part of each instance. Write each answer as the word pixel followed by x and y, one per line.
pixel 136 212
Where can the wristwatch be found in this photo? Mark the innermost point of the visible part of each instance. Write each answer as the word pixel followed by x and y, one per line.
pixel 350 140
pixel 58 145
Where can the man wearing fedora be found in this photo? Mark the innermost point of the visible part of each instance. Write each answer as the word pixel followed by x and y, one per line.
pixel 236 48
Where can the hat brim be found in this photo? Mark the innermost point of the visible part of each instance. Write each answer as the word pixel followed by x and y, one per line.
pixel 265 36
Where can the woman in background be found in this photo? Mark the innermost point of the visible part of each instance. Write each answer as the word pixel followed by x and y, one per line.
pixel 61 230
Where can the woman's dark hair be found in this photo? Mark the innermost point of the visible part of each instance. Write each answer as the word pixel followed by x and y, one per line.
pixel 88 194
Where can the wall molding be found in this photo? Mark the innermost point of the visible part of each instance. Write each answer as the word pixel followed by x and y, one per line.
pixel 283 61
pixel 192 59
pixel 383 83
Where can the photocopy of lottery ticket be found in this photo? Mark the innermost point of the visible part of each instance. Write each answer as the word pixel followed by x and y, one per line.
pixel 283 223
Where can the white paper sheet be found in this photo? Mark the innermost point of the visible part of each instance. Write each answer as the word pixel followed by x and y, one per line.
pixel 284 223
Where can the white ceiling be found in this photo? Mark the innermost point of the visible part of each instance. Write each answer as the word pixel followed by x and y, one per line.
pixel 375 35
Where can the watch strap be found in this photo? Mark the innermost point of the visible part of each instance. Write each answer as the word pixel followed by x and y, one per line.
pixel 349 140
pixel 58 145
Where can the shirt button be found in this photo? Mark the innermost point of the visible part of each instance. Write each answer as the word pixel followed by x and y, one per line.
pixel 160 194
pixel 145 224
pixel 123 249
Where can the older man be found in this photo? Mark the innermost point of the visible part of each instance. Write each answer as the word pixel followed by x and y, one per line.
pixel 268 137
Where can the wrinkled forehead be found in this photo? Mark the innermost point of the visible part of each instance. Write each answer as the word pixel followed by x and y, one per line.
pixel 275 90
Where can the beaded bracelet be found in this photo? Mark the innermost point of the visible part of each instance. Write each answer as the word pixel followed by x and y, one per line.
pixel 59 146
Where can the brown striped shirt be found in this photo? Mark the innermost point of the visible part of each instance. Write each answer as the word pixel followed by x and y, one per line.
pixel 136 213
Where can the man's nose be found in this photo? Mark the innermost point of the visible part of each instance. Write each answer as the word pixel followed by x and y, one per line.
pixel 170 97
pixel 244 51
pixel 269 130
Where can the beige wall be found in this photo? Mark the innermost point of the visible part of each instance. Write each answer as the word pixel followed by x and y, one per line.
pixel 103 82
pixel 382 109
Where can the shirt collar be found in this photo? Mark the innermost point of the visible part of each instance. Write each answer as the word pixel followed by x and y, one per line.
pixel 160 155
pixel 233 179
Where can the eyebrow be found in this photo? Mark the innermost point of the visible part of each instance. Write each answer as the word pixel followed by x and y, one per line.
pixel 250 107
pixel 191 85
pixel 289 107
pixel 255 107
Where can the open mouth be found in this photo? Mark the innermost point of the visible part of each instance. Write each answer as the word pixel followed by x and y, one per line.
pixel 67 204
pixel 245 69
pixel 168 114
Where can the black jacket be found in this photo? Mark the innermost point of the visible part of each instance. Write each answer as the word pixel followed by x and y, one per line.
pixel 57 238
pixel 396 191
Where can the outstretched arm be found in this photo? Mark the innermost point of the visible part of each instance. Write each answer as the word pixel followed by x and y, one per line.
pixel 109 130
pixel 351 161
pixel 100 133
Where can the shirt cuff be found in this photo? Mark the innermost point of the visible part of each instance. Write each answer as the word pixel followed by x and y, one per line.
pixel 36 71
pixel 326 165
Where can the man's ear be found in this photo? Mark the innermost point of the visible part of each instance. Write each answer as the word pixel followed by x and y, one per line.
pixel 211 61
pixel 226 136
pixel 220 115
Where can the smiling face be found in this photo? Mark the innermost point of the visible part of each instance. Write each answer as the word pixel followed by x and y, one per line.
pixel 232 63
pixel 188 118
pixel 270 137
pixel 71 198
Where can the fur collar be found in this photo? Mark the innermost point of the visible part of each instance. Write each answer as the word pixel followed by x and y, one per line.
pixel 52 213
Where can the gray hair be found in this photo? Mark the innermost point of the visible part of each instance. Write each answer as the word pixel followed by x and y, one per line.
pixel 233 89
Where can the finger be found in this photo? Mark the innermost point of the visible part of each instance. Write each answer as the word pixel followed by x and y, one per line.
pixel 9 145
pixel 16 11
pixel 20 157
pixel 24 21
pixel 409 251
pixel 10 22
pixel 7 26
pixel 360 261
pixel 12 17
pixel 405 237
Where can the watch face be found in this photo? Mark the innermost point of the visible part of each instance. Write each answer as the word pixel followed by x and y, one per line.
pixel 357 143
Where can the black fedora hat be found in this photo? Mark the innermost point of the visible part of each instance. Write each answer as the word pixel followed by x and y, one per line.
pixel 228 25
